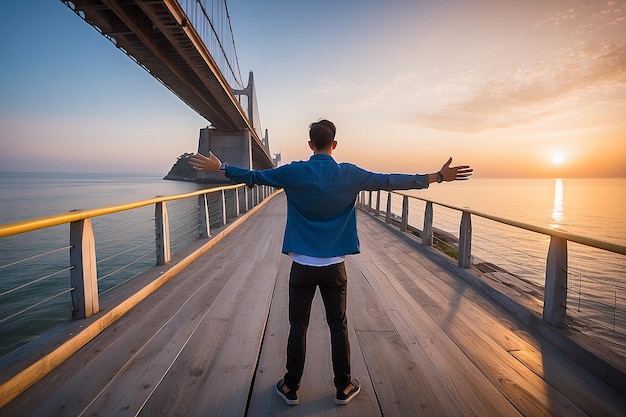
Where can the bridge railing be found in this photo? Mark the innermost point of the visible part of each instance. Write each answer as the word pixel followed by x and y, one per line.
pixel 39 270
pixel 400 208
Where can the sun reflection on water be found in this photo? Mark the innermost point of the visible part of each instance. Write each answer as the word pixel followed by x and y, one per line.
pixel 557 206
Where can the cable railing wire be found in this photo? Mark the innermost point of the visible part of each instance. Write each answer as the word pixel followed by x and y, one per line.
pixel 184 232
pixel 114 244
pixel 190 235
pixel 123 267
pixel 43 278
pixel 605 301
pixel 118 254
pixel 130 278
pixel 183 229
pixel 530 266
pixel 17 313
pixel 30 258
pixel 182 219
pixel 183 240
pixel 147 224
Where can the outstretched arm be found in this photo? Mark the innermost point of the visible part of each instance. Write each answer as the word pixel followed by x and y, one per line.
pixel 203 163
pixel 448 173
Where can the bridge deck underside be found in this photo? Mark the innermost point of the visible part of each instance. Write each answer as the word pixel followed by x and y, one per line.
pixel 212 342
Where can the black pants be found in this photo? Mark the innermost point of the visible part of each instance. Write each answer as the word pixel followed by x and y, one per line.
pixel 332 281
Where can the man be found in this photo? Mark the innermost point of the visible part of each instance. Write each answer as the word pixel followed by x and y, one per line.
pixel 320 231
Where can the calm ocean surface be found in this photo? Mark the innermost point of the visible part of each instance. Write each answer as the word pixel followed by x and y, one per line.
pixel 594 208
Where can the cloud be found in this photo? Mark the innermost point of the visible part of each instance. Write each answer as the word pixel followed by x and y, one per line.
pixel 366 94
pixel 524 96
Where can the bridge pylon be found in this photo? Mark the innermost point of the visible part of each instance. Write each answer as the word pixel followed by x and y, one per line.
pixel 234 148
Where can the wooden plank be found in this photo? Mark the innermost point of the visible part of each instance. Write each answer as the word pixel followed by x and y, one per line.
pixel 214 373
pixel 136 384
pixel 271 364
pixel 530 394
pixel 90 369
pixel 459 387
pixel 472 345
pixel 212 377
pixel 534 352
pixel 366 404
pixel 400 386
pixel 365 294
pixel 368 314
pixel 582 388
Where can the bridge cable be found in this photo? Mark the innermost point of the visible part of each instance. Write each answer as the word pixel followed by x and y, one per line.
pixel 232 37
pixel 219 42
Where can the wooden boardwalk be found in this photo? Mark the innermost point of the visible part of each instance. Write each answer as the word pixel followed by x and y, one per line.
pixel 211 342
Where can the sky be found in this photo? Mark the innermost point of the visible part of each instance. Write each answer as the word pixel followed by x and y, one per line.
pixel 513 88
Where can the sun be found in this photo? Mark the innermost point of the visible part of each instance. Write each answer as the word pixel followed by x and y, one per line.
pixel 558 158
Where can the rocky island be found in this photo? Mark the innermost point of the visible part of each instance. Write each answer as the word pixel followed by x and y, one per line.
pixel 182 170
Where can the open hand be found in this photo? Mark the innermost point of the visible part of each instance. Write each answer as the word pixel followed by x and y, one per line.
pixel 458 173
pixel 203 163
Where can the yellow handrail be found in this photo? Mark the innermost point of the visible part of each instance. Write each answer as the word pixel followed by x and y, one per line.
pixel 72 216
pixel 583 240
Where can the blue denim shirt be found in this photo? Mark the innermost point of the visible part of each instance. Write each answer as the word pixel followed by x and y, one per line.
pixel 321 195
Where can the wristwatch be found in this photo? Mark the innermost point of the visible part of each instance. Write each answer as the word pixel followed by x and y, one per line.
pixel 223 166
pixel 439 177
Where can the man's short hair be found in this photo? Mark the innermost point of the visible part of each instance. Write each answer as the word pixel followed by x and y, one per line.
pixel 322 133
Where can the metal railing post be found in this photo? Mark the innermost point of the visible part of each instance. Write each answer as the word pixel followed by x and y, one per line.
pixel 369 202
pixel 465 240
pixel 405 214
pixel 555 289
pixel 388 214
pixel 377 203
pixel 237 202
pixel 246 196
pixel 223 208
pixel 162 231
pixel 83 275
pixel 204 216
pixel 427 234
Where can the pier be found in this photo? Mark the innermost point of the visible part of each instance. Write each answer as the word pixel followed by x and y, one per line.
pixel 202 329
pixel 211 341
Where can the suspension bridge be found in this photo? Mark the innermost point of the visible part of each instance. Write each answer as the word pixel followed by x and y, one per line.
pixel 189 47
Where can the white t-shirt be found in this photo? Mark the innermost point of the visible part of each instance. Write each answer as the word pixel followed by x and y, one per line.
pixel 314 261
